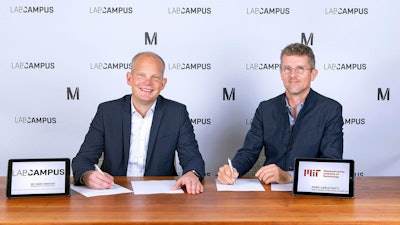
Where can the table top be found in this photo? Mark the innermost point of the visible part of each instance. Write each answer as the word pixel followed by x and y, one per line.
pixel 377 201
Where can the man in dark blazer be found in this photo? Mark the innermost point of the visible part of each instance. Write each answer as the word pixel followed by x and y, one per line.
pixel 141 126
pixel 298 123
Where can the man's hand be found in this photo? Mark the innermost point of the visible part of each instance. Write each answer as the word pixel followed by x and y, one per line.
pixel 272 173
pixel 191 182
pixel 225 175
pixel 96 180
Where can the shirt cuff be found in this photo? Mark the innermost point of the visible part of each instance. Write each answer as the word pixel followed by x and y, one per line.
pixel 81 178
pixel 291 172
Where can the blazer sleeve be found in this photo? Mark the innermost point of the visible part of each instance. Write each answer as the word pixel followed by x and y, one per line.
pixel 247 156
pixel 91 149
pixel 332 140
pixel 188 150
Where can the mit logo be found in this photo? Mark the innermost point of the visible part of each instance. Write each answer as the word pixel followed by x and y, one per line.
pixel 311 173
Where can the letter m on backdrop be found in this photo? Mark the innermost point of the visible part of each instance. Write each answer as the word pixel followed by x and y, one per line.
pixel 307 41
pixel 228 96
pixel 150 40
pixel 72 96
pixel 382 96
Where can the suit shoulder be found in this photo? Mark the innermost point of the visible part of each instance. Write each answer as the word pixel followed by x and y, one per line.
pixel 168 103
pixel 277 100
pixel 116 102
pixel 326 100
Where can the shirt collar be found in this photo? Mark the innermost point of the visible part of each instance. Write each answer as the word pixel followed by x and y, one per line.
pixel 152 108
pixel 299 107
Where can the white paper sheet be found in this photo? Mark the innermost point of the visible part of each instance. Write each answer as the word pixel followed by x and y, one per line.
pixel 241 184
pixel 282 187
pixel 93 192
pixel 154 187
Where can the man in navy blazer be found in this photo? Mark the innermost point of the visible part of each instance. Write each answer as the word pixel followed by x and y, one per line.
pixel 297 123
pixel 139 134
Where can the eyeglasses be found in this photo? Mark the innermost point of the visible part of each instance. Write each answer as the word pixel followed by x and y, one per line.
pixel 298 70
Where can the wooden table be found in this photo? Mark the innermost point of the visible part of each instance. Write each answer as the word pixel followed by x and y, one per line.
pixel 377 201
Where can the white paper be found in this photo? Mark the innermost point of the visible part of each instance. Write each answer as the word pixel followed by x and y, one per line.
pixel 154 187
pixel 241 185
pixel 282 187
pixel 93 192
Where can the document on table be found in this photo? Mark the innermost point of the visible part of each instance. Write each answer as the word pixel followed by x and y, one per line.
pixel 241 184
pixel 93 192
pixel 282 187
pixel 154 187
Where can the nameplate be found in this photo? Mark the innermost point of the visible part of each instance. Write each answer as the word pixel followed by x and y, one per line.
pixel 38 177
pixel 325 177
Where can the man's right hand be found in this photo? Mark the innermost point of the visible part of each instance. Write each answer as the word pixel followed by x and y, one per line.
pixel 96 180
pixel 225 175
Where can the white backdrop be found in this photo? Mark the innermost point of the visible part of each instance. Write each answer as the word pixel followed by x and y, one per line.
pixel 60 59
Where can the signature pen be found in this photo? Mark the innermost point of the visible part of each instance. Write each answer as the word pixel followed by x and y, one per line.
pixel 97 168
pixel 230 165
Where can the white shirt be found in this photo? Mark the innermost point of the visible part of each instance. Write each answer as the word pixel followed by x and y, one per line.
pixel 140 132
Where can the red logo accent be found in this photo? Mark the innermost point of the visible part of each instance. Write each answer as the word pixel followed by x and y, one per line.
pixel 311 173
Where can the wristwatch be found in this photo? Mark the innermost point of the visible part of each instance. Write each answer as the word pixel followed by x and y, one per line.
pixel 196 173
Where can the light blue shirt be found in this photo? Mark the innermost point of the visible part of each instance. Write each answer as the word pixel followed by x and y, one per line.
pixel 292 119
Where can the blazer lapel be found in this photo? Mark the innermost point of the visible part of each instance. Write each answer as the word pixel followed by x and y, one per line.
pixel 126 129
pixel 157 118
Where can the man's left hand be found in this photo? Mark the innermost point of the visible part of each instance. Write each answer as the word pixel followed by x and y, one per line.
pixel 272 173
pixel 191 182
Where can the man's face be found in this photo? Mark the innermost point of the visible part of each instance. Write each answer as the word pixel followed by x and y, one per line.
pixel 297 74
pixel 146 80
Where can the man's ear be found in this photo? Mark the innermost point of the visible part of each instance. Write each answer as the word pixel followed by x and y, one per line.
pixel 129 78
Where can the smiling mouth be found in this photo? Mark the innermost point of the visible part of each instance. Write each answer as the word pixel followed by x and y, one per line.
pixel 146 90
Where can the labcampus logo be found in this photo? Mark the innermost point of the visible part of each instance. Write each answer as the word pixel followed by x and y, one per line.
pixel 110 10
pixel 189 66
pixel 345 66
pixel 32 9
pixel 346 11
pixel 268 11
pixel 35 120
pixel 201 121
pixel 39 172
pixel 354 121
pixel 189 10
pixel 110 66
pixel 263 66
pixel 33 65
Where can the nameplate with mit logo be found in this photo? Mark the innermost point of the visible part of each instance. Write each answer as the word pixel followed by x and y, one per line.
pixel 324 177
pixel 38 177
